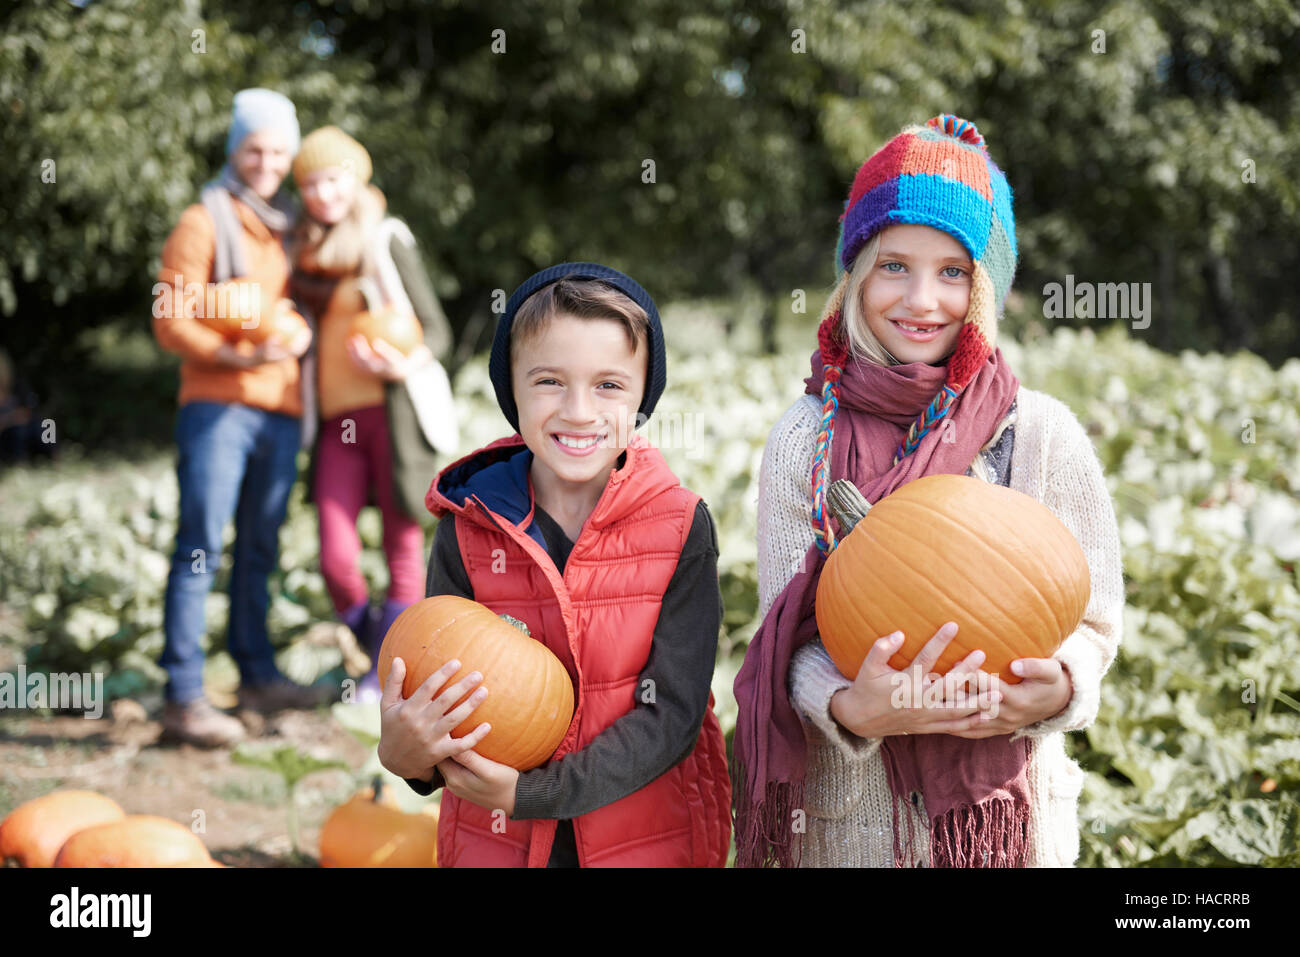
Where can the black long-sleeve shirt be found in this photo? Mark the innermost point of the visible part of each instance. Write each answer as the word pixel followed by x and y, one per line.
pixel 663 726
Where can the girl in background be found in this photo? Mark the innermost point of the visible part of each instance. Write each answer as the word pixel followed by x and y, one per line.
pixel 375 442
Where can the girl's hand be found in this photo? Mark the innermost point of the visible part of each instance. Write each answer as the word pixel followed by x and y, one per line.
pixel 383 361
pixel 415 732
pixel 485 782
pixel 884 700
pixel 1044 690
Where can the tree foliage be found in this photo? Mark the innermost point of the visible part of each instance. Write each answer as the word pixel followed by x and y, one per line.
pixel 1146 141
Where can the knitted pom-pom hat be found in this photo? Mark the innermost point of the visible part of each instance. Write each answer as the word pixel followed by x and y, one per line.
pixel 937 175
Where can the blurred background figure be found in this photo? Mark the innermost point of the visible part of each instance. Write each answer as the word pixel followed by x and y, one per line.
pixel 238 426
pixel 380 406
pixel 22 435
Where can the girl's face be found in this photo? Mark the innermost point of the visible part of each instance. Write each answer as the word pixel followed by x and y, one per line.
pixel 262 161
pixel 916 297
pixel 329 193
pixel 577 386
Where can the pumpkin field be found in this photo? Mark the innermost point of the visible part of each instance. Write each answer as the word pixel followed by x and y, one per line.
pixel 1194 759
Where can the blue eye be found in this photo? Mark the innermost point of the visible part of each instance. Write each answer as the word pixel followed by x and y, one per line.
pixel 955 269
pixel 885 266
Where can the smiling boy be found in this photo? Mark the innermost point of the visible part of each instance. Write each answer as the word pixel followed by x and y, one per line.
pixel 577 527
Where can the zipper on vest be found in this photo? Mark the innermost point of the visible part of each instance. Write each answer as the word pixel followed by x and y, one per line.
pixel 568 637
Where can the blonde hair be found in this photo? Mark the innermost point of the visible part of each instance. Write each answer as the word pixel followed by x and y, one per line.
pixel 863 343
pixel 344 246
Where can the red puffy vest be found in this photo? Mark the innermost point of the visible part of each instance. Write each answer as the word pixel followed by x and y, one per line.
pixel 599 620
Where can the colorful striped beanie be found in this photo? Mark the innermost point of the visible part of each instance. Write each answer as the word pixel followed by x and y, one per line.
pixel 938 175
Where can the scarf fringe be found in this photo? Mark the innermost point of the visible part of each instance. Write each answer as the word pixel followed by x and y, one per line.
pixel 765 832
pixel 993 833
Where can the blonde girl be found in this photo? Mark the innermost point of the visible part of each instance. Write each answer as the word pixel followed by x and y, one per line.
pixel 907 381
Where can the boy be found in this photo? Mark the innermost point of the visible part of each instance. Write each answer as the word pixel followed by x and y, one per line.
pixel 577 527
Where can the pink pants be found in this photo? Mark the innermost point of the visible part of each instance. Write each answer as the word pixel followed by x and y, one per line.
pixel 353 461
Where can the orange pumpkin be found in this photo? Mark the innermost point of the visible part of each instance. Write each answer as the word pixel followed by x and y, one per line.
pixel 399 329
pixel 139 840
pixel 282 325
pixel 530 695
pixel 950 548
pixel 227 306
pixel 370 831
pixel 34 831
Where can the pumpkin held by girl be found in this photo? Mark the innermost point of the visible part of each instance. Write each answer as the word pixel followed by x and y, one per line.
pixel 1014 578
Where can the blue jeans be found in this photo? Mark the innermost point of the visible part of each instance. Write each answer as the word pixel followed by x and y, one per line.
pixel 234 461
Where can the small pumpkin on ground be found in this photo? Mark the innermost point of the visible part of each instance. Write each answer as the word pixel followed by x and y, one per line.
pixel 138 840
pixel 369 830
pixel 35 830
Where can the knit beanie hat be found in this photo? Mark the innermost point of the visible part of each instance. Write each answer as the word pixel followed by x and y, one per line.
pixel 938 175
pixel 499 363
pixel 259 109
pixel 330 146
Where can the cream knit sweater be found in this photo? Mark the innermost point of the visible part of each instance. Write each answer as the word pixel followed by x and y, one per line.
pixel 846 792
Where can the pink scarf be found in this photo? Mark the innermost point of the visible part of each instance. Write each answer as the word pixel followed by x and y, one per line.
pixel 975 791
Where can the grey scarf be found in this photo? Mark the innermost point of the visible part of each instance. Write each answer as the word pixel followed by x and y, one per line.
pixel 229 261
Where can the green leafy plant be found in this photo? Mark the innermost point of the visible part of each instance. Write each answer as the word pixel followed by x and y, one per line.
pixel 292 765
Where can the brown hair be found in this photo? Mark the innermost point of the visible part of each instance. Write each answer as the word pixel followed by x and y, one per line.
pixel 340 248
pixel 582 299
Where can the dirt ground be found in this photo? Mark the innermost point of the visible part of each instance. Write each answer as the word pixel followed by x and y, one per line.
pixel 244 809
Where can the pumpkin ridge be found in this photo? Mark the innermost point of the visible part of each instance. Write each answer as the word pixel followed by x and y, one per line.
pixel 973 637
pixel 1049 624
pixel 1054 575
pixel 991 642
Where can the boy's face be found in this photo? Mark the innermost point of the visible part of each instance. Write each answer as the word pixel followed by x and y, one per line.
pixel 917 295
pixel 578 385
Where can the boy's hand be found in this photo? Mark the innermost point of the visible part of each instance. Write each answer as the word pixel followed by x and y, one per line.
pixel 1044 691
pixel 485 782
pixel 415 732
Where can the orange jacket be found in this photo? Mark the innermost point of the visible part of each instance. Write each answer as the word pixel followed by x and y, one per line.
pixel 599 620
pixel 340 385
pixel 187 259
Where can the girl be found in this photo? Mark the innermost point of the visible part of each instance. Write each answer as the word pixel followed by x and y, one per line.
pixel 376 442
pixel 907 382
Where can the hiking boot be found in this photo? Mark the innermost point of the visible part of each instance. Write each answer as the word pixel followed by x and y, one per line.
pixel 278 695
pixel 197 722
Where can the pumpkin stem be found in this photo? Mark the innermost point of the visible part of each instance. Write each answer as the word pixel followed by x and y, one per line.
pixel 377 785
pixel 847 503
pixel 510 620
